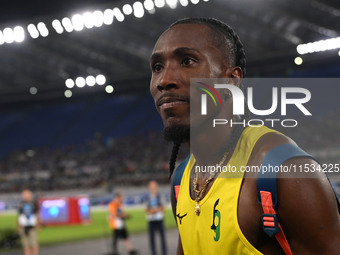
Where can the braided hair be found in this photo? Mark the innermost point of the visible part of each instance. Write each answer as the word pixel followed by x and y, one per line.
pixel 173 157
pixel 226 39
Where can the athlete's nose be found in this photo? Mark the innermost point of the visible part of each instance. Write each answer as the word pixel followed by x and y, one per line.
pixel 168 79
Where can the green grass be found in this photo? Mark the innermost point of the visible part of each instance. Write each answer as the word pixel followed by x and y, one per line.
pixel 98 227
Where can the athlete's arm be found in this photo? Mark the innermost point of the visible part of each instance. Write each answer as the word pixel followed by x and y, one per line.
pixel 179 247
pixel 308 212
pixel 173 206
pixel 307 208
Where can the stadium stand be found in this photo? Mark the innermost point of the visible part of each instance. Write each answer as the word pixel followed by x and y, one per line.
pixel 83 144
pixel 109 142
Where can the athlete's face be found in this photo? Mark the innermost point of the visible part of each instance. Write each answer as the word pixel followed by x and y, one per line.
pixel 181 53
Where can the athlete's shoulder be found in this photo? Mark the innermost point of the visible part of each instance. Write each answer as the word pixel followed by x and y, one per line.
pixel 265 143
pixel 273 139
pixel 178 173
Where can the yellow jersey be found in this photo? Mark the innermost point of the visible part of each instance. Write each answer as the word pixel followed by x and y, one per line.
pixel 216 229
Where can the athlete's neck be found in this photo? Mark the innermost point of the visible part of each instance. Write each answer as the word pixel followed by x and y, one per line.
pixel 209 146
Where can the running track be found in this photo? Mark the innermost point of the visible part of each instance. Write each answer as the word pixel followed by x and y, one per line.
pixel 103 246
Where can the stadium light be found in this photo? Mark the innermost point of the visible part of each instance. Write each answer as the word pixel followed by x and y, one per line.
pixel 42 29
pixel 159 3
pixel 33 90
pixel 67 24
pixel 68 93
pixel 78 22
pixel 127 9
pixel 152 11
pixel 33 31
pixel 109 89
pixel 100 79
pixel 8 35
pixel 149 5
pixel 323 45
pixel 56 24
pixel 19 34
pixel 172 3
pixel 30 153
pixel 118 14
pixel 90 80
pixel 138 9
pixel 98 17
pixel 298 61
pixel 89 19
pixel 69 83
pixel 184 3
pixel 80 82
pixel 108 17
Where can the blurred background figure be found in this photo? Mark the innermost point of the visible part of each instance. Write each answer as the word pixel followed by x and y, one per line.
pixel 155 216
pixel 117 219
pixel 28 223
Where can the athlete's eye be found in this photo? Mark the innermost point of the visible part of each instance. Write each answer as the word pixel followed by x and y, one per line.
pixel 187 61
pixel 157 67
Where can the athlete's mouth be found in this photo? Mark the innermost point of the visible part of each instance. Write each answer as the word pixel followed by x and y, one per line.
pixel 168 101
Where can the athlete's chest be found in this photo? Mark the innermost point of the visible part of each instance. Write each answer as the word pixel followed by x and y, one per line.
pixel 217 211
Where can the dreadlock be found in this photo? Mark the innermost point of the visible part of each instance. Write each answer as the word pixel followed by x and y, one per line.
pixel 173 158
pixel 225 38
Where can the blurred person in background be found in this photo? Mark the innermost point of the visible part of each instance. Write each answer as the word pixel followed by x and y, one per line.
pixel 29 223
pixel 155 216
pixel 117 219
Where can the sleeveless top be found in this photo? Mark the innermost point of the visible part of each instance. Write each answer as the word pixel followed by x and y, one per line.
pixel 216 229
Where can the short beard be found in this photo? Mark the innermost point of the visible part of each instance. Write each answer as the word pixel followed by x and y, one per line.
pixel 177 134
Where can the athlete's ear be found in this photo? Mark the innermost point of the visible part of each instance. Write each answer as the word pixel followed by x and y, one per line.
pixel 237 72
pixel 236 75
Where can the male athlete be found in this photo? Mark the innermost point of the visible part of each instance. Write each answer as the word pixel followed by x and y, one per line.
pixel 223 215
